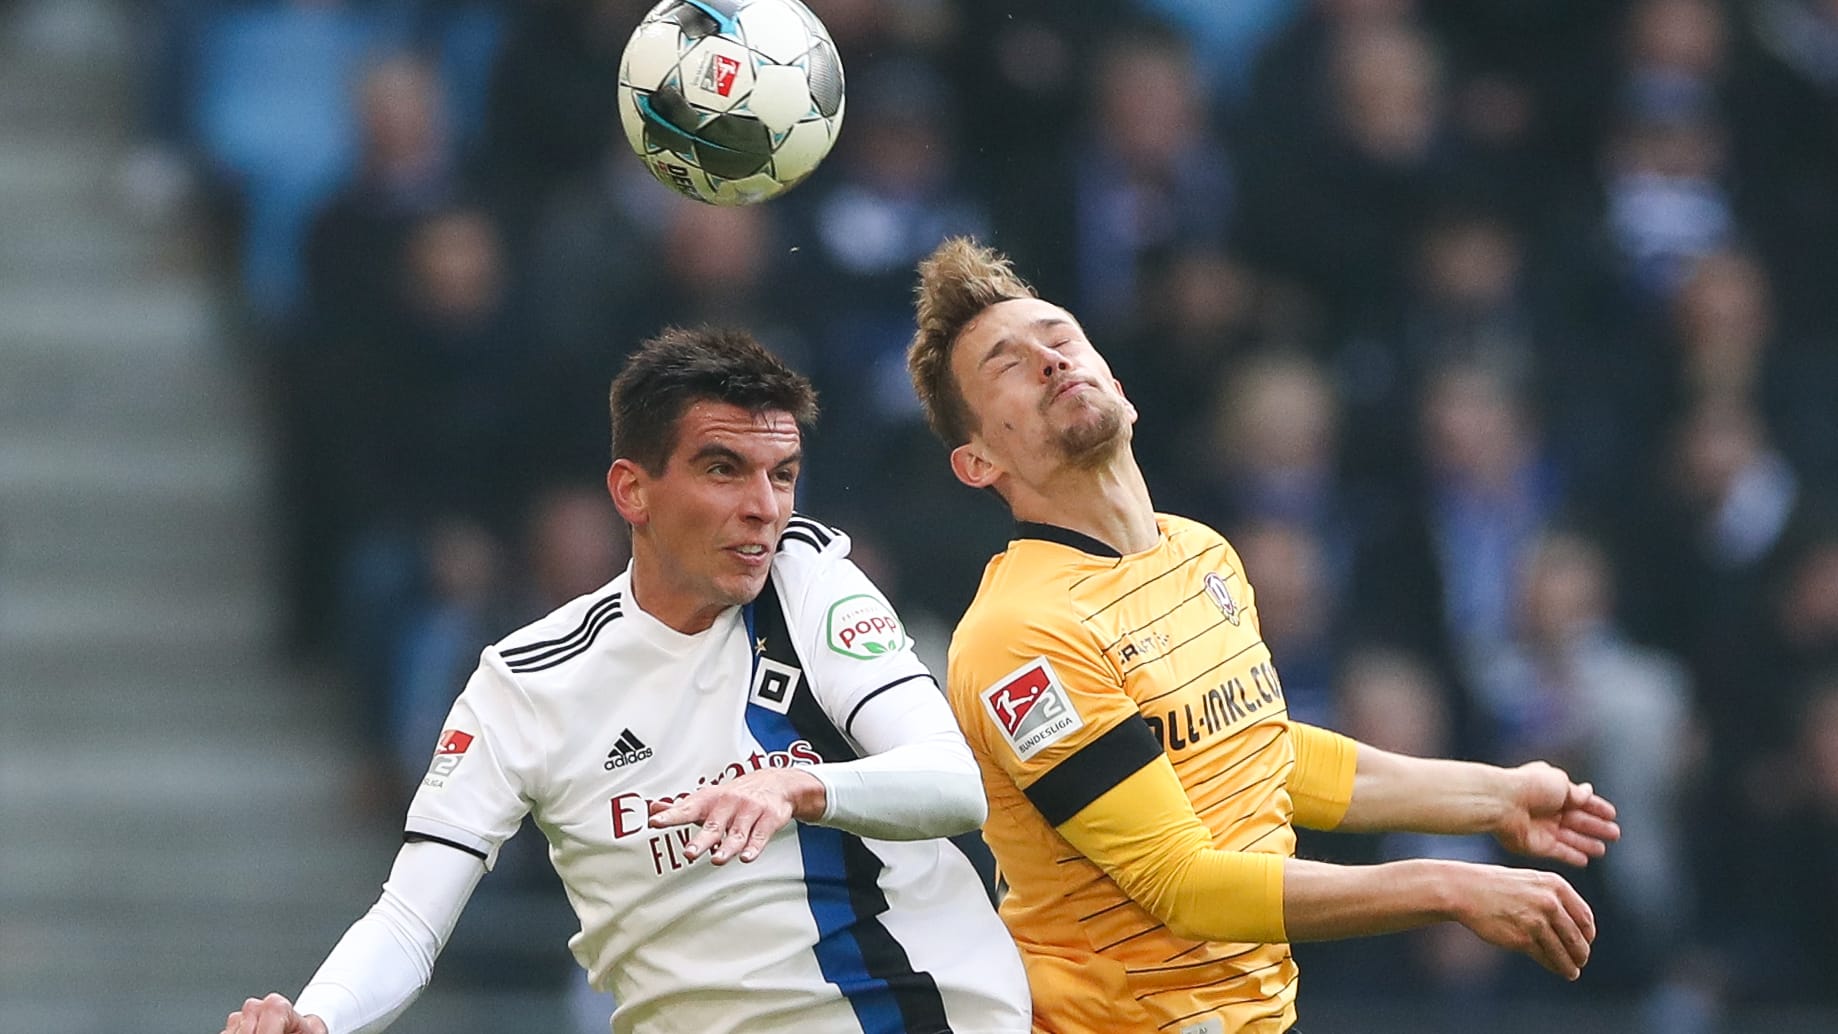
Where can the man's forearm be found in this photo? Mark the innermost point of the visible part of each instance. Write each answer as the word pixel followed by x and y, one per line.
pixel 1326 902
pixel 386 957
pixel 918 780
pixel 1398 793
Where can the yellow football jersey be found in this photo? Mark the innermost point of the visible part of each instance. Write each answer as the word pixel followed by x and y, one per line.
pixel 1068 651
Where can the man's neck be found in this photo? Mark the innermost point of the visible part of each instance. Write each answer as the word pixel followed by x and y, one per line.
pixel 1110 503
pixel 651 590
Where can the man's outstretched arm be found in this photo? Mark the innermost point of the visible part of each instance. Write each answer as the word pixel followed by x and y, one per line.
pixel 385 959
pixel 1144 834
pixel 1533 809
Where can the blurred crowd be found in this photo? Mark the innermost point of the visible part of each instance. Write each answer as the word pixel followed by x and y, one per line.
pixel 1499 336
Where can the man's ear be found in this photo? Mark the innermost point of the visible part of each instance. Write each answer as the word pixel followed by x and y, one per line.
pixel 973 466
pixel 1128 406
pixel 626 482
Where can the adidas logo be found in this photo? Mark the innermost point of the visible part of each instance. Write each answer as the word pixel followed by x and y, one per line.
pixel 628 749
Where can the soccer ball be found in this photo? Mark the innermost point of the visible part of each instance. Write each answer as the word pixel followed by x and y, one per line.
pixel 730 102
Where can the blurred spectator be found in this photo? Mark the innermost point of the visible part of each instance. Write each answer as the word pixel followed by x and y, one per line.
pixel 1332 198
pixel 273 121
pixel 1569 687
pixel 1792 115
pixel 1526 83
pixel 1727 507
pixel 1801 907
pixel 440 642
pixel 1198 312
pixel 1667 161
pixel 1491 491
pixel 1667 200
pixel 679 263
pixel 572 544
pixel 1026 69
pixel 1466 297
pixel 1297 610
pixel 1152 174
pixel 1272 453
pixel 405 171
pixel 592 260
pixel 1706 560
pixel 1227 38
pixel 893 190
pixel 1793 646
pixel 1724 327
pixel 1731 343
pixel 554 97
pixel 398 427
pixel 1291 88
pixel 458 411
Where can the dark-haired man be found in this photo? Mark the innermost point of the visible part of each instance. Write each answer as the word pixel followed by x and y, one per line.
pixel 1143 775
pixel 741 693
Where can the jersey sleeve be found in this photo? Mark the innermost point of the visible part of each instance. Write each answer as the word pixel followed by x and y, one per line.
pixel 1321 784
pixel 853 643
pixel 481 781
pixel 1060 725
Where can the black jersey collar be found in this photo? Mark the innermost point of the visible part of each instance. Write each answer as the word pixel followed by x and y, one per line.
pixel 1064 536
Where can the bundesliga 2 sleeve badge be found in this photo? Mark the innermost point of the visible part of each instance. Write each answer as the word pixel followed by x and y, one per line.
pixel 1032 708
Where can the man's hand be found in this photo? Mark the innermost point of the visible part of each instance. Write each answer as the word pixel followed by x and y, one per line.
pixel 1525 910
pixel 738 817
pixel 1548 816
pixel 271 1015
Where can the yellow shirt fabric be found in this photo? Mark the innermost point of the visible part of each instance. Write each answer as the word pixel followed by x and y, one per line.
pixel 1077 672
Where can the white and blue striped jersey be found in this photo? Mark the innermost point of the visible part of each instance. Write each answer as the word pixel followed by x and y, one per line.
pixel 586 716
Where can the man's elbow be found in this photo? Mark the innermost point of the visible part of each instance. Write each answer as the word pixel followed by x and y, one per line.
pixel 1217 896
pixel 969 808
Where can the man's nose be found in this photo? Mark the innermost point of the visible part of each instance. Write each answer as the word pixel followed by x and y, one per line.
pixel 760 501
pixel 1052 362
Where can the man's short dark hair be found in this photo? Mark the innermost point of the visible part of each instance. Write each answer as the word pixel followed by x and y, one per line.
pixel 680 367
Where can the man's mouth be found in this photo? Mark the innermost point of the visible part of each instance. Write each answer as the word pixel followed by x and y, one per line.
pixel 752 549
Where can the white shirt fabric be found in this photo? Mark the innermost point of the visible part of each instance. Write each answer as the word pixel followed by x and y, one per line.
pixel 584 717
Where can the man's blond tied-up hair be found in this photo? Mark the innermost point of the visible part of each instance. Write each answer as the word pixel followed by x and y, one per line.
pixel 956 283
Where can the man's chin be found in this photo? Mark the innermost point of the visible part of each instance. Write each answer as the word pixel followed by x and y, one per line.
pixel 1093 443
pixel 741 590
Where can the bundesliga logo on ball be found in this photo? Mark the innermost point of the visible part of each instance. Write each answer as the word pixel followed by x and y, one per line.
pixel 730 102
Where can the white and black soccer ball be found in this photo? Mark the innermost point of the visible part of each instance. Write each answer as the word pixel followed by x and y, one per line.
pixel 731 102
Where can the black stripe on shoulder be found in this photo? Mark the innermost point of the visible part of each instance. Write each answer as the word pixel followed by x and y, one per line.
pixel 1091 772
pixel 562 654
pixel 413 838
pixel 823 532
pixel 799 535
pixel 587 620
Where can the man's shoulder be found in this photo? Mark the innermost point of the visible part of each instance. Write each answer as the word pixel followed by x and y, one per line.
pixel 1022 582
pixel 806 538
pixel 565 633
pixel 808 549
pixel 1186 535
pixel 1024 603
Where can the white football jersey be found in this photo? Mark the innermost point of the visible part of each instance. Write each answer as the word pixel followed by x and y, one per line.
pixel 586 716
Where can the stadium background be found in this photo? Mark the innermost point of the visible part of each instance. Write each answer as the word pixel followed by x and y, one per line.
pixel 1499 334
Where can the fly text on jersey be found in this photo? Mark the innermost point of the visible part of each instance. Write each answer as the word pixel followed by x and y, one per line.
pixel 632 811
